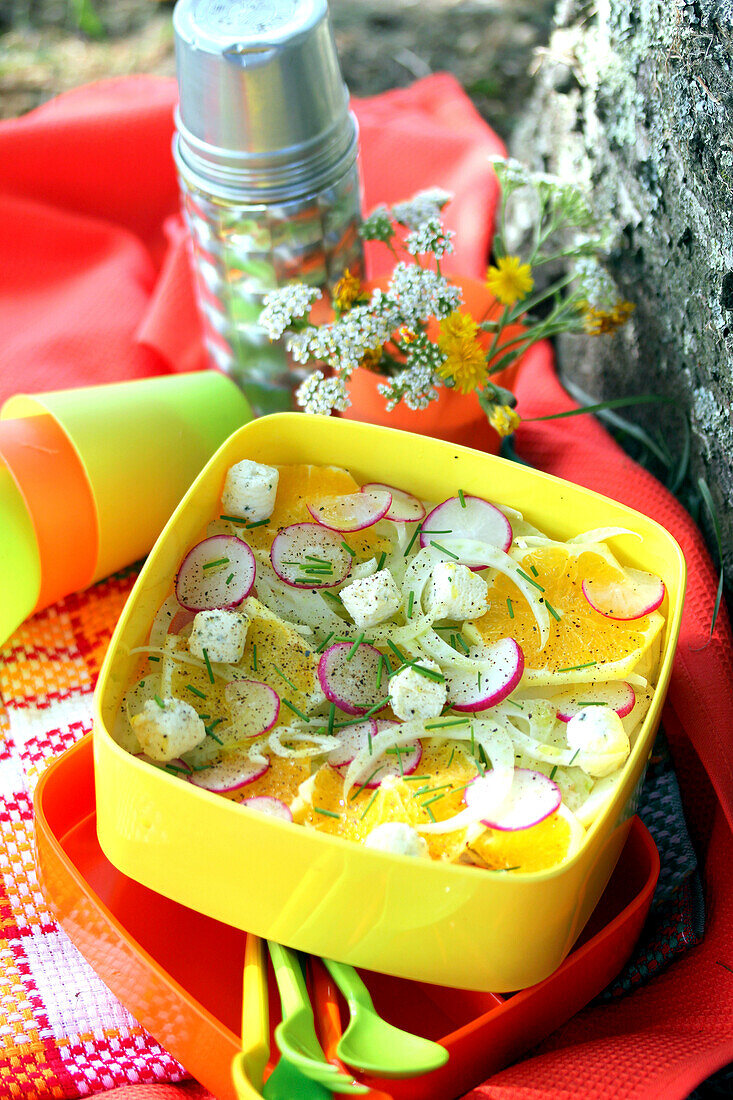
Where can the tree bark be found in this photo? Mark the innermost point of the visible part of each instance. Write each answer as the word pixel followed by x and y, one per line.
pixel 634 99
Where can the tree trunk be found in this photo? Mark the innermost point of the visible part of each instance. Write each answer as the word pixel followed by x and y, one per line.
pixel 634 98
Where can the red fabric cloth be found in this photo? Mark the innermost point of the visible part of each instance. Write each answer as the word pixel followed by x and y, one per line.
pixel 95 287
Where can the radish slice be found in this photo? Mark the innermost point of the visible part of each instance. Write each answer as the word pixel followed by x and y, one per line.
pixel 531 799
pixel 201 584
pixel 352 512
pixel 638 594
pixel 254 706
pixel 180 620
pixel 264 804
pixel 405 508
pixel 474 519
pixel 618 695
pixel 231 773
pixel 306 555
pixel 351 681
pixel 351 741
pixel 502 665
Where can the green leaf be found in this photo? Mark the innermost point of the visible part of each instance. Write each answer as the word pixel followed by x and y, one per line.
pixel 86 19
pixel 614 403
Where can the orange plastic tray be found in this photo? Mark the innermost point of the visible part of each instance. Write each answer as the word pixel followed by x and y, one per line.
pixel 180 973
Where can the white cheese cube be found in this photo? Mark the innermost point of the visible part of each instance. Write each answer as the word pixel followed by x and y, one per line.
pixel 221 633
pixel 416 696
pixel 397 837
pixel 371 600
pixel 249 491
pixel 455 592
pixel 167 731
pixel 599 737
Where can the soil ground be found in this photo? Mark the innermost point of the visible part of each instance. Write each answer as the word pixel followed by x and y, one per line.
pixel 49 46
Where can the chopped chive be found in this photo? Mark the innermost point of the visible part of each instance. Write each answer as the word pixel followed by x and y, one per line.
pixel 531 581
pixel 410 603
pixel 483 756
pixel 369 741
pixel 333 596
pixel 416 778
pixel 592 703
pixel 453 643
pixel 473 742
pixel 447 722
pixel 576 668
pixel 366 714
pixel 311 557
pixel 151 658
pixel 573 758
pixel 503 870
pixel 365 784
pixel 211 564
pixel 534 571
pixel 326 813
pixel 292 706
pixel 428 673
pixel 510 606
pixel 230 578
pixel 173 768
pixel 552 773
pixel 516 704
pixel 348 549
pixel 325 642
pixel 430 801
pixel 254 656
pixel 259 523
pixel 415 533
pixel 382 559
pixel 443 550
pixel 369 804
pixel 214 737
pixel 355 646
pixel 208 666
pixel 397 750
pixel 159 701
pixel 396 651
pixel 205 717
pixel 235 519
pixel 284 677
pixel 196 691
pixel 331 718
pixel 382 662
pixel 431 815
pixel 213 725
pixel 479 680
pixel 461 644
pixel 452 754
pixel 431 790
pixel 461 498
pixel 555 614
pixel 317 570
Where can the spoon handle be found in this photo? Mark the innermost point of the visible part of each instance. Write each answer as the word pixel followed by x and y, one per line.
pixel 350 984
pixel 290 979
pixel 255 1009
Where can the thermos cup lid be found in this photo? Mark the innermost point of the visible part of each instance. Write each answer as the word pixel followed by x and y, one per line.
pixel 262 103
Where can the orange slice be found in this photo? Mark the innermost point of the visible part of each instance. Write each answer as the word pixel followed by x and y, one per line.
pixel 583 644
pixel 436 786
pixel 538 848
pixel 279 656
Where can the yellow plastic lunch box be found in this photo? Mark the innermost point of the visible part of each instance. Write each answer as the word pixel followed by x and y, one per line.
pixel 441 923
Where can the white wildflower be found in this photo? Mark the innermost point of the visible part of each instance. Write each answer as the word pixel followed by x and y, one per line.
pixel 321 396
pixel 430 237
pixel 421 293
pixel 378 226
pixel 415 386
pixel 283 306
pixel 595 285
pixel 421 208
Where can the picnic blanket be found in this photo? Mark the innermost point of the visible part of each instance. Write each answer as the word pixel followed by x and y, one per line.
pixel 96 287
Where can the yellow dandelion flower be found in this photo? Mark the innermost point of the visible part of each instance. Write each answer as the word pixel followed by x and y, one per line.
pixel 504 420
pixel 346 291
pixel 510 280
pixel 372 358
pixel 465 359
pixel 597 322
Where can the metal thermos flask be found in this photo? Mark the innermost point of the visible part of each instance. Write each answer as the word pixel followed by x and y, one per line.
pixel 266 153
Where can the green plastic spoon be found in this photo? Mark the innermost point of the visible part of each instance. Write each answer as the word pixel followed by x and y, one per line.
pixel 370 1043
